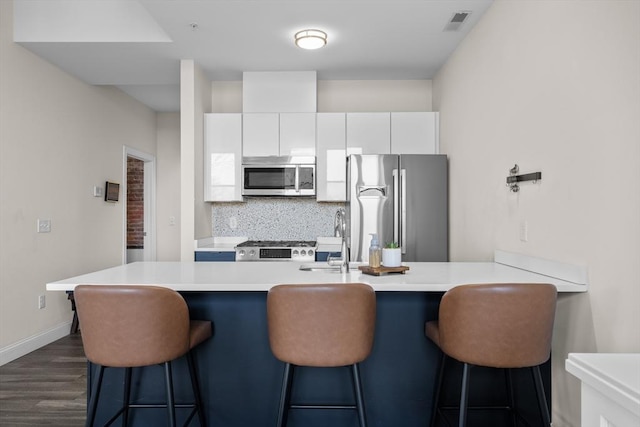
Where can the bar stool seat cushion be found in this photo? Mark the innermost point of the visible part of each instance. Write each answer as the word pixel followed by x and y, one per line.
pixel 321 325
pixel 496 325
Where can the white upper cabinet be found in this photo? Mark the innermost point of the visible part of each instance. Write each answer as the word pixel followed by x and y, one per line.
pixel 284 134
pixel 297 134
pixel 223 157
pixel 331 155
pixel 414 133
pixel 368 133
pixel 260 134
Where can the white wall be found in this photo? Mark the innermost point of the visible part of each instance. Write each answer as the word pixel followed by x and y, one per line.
pixel 168 184
pixel 226 97
pixel 343 96
pixel 195 100
pixel 202 105
pixel 555 87
pixel 58 138
pixel 374 95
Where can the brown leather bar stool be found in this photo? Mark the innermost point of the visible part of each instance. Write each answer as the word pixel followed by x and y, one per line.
pixel 321 325
pixel 135 326
pixel 499 326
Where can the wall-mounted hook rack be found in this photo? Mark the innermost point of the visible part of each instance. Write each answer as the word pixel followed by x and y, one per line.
pixel 513 178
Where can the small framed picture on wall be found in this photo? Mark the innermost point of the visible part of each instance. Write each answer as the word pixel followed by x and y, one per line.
pixel 112 192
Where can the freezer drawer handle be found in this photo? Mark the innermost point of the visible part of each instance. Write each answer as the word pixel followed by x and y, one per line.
pixel 382 189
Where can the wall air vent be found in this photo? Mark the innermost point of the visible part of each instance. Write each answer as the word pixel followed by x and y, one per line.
pixel 456 21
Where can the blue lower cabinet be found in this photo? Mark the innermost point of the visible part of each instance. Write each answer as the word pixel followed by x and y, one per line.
pixel 215 256
pixel 322 256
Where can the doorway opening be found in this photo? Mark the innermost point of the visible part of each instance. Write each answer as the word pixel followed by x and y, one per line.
pixel 139 207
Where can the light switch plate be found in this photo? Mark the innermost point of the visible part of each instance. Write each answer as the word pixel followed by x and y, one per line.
pixel 98 191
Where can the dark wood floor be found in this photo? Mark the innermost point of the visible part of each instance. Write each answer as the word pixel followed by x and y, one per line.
pixel 45 387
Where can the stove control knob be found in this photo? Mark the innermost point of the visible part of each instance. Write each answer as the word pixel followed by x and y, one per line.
pixel 303 252
pixel 295 252
pixel 252 253
pixel 241 252
pixel 310 252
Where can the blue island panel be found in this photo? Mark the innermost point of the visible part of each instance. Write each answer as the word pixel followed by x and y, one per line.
pixel 240 379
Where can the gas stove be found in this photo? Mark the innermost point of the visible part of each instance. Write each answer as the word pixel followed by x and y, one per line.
pixel 276 250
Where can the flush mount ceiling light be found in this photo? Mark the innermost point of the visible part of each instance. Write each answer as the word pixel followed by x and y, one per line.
pixel 311 39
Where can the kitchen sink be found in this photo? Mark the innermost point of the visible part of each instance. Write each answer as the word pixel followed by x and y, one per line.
pixel 320 266
pixel 324 267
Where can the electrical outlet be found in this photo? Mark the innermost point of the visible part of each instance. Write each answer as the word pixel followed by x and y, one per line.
pixel 524 231
pixel 172 220
pixel 42 302
pixel 44 226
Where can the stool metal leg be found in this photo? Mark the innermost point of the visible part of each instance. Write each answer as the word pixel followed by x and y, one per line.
pixel 196 388
pixel 93 402
pixel 464 395
pixel 357 388
pixel 285 395
pixel 436 401
pixel 171 409
pixel 127 397
pixel 542 400
pixel 511 395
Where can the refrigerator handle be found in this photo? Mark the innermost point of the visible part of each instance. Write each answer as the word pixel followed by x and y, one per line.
pixel 396 194
pixel 403 200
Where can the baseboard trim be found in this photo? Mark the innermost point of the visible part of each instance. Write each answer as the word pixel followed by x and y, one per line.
pixel 34 342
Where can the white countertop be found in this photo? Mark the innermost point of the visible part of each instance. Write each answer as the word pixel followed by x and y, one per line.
pixel 615 375
pixel 218 244
pixel 228 244
pixel 261 276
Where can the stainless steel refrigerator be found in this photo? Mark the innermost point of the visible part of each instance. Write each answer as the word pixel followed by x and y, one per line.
pixel 402 198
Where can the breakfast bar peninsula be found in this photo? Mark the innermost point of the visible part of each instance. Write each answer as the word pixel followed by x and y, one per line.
pixel 240 379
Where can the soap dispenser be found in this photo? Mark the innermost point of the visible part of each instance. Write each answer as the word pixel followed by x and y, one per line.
pixel 375 253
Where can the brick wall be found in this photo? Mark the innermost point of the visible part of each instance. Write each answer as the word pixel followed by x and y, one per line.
pixel 135 203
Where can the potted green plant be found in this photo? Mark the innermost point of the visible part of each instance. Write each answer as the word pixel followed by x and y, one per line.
pixel 391 255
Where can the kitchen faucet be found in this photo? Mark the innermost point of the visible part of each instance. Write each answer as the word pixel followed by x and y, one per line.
pixel 339 223
pixel 340 228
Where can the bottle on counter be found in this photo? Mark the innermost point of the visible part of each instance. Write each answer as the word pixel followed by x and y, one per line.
pixel 375 253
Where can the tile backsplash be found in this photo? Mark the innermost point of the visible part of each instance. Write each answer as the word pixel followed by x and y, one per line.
pixel 263 218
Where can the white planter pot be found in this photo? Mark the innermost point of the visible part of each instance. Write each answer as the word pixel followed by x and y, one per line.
pixel 391 257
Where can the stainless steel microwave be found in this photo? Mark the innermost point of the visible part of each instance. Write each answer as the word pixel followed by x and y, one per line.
pixel 279 176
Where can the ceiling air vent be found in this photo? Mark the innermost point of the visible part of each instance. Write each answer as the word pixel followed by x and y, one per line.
pixel 456 21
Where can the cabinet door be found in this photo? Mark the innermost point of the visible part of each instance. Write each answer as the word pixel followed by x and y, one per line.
pixel 297 134
pixel 368 133
pixel 331 165
pixel 260 134
pixel 202 256
pixel 414 133
pixel 223 157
